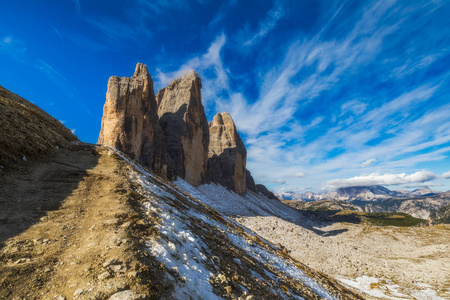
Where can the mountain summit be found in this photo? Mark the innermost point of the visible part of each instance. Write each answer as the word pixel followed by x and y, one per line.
pixel 170 134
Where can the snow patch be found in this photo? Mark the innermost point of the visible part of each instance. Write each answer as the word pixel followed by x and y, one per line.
pixel 385 289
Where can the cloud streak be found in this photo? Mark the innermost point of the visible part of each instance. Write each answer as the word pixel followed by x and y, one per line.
pixel 382 179
pixel 266 26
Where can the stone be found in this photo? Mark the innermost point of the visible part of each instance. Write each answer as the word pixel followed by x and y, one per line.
pixel 227 155
pixel 125 295
pixel 112 261
pixel 78 293
pixel 183 121
pixel 263 190
pixel 130 122
pixel 104 275
pixel 250 182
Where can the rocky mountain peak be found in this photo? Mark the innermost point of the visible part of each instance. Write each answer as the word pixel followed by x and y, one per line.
pixel 223 128
pixel 141 70
pixel 130 123
pixel 183 120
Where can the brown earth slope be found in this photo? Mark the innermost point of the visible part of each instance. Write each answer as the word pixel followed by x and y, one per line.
pixel 84 222
pixel 27 131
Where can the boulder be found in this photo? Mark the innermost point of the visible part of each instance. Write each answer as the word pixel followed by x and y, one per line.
pixel 227 154
pixel 183 121
pixel 130 122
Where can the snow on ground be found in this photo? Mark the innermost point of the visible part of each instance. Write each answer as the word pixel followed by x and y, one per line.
pixel 231 204
pixel 291 225
pixel 181 250
pixel 384 289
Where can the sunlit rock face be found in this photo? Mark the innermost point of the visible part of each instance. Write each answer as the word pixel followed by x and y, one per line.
pixel 183 121
pixel 130 121
pixel 227 154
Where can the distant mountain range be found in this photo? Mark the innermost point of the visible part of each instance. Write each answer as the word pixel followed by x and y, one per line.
pixel 419 203
pixel 356 193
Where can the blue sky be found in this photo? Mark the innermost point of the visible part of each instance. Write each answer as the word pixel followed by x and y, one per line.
pixel 325 94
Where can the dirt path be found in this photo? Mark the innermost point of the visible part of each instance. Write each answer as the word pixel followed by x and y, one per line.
pixel 64 231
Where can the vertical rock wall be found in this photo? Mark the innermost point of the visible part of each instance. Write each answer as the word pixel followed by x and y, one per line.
pixel 130 123
pixel 227 154
pixel 183 121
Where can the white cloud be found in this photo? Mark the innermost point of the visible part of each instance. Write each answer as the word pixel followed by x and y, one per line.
pixel 354 106
pixel 299 175
pixel 212 86
pixel 368 162
pixel 446 175
pixel 73 130
pixel 382 179
pixel 279 181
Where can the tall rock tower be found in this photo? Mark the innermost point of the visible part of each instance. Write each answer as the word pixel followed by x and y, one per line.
pixel 183 121
pixel 130 122
pixel 227 154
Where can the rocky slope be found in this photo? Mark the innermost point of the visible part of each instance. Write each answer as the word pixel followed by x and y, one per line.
pixel 85 222
pixel 183 120
pixel 370 259
pixel 27 131
pixel 227 156
pixel 322 205
pixel 440 216
pixel 153 241
pixel 420 207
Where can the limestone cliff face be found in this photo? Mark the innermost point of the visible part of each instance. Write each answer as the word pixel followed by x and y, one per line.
pixel 183 121
pixel 227 154
pixel 250 182
pixel 130 121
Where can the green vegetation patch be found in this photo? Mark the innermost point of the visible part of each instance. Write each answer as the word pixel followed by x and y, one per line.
pixel 392 219
pixel 380 219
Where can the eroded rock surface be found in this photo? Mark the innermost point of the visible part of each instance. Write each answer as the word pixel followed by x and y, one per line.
pixel 265 191
pixel 250 182
pixel 183 120
pixel 227 154
pixel 130 122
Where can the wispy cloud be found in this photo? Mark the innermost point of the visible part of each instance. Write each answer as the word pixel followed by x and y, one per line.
pixel 77 5
pixel 279 181
pixel 209 62
pixel 114 30
pixel 368 162
pixel 382 179
pixel 446 175
pixel 388 129
pixel 266 26
pixel 12 47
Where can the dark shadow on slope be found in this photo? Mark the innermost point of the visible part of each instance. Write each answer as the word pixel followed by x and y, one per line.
pixel 34 188
pixel 250 206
